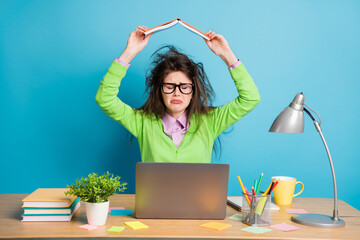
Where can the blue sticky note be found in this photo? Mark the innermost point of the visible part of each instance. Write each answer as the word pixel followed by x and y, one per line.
pixel 123 212
pixel 257 230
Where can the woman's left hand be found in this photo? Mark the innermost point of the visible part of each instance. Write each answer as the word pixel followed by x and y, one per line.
pixel 220 47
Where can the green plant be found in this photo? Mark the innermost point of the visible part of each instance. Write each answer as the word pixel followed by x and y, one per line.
pixel 95 188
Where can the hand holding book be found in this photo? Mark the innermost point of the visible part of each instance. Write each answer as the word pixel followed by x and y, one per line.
pixel 135 44
pixel 139 38
pixel 221 48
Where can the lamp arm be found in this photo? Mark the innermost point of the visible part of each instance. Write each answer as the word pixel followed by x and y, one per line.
pixel 317 126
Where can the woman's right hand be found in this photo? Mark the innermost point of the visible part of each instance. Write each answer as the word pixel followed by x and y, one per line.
pixel 135 43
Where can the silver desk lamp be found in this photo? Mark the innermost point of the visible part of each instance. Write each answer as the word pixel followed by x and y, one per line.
pixel 291 120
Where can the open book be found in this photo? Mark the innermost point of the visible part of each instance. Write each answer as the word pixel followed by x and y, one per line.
pixel 174 22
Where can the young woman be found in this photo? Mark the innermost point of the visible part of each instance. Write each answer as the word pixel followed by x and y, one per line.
pixel 176 123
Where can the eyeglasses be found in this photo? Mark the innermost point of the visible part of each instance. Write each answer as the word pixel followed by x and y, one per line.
pixel 185 88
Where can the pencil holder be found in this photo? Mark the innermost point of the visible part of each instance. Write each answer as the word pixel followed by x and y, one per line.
pixel 258 213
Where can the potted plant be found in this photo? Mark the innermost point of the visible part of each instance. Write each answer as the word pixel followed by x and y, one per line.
pixel 95 190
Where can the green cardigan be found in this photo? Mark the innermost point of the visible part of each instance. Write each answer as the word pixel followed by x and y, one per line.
pixel 197 144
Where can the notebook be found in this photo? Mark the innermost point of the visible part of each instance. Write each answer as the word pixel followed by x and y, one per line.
pixel 51 211
pixel 48 198
pixel 236 203
pixel 181 190
pixel 50 218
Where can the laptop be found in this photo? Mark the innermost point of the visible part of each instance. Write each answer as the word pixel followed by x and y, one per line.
pixel 181 190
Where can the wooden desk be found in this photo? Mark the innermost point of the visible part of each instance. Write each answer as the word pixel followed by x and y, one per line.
pixel 12 227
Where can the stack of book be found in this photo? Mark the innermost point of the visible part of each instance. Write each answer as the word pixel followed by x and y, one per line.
pixel 49 204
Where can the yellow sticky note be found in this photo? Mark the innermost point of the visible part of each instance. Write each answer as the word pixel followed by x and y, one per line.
pixel 215 225
pixel 115 229
pixel 260 206
pixel 136 225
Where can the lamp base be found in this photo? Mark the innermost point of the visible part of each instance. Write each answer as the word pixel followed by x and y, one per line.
pixel 318 220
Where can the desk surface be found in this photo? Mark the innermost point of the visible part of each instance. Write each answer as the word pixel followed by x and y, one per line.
pixel 12 227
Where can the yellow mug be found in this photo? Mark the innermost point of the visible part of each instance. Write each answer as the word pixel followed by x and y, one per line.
pixel 284 190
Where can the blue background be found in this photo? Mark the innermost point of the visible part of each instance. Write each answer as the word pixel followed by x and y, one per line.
pixel 54 54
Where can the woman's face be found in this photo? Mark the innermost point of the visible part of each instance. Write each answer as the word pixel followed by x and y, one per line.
pixel 176 102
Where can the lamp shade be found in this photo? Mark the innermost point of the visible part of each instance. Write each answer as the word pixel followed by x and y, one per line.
pixel 291 119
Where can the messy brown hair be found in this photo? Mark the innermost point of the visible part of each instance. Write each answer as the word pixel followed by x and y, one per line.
pixel 171 61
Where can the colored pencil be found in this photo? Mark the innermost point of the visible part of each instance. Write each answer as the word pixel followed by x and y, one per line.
pixel 247 192
pixel 255 184
pixel 243 188
pixel 258 186
pixel 253 190
pixel 268 189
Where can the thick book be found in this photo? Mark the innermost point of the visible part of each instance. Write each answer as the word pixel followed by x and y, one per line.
pixel 48 198
pixel 50 218
pixel 236 203
pixel 174 22
pixel 51 211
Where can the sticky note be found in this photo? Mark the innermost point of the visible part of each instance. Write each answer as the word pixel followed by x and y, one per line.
pixel 260 206
pixel 115 208
pixel 285 227
pixel 295 211
pixel 236 216
pixel 257 230
pixel 115 229
pixel 215 225
pixel 123 212
pixel 87 227
pixel 136 225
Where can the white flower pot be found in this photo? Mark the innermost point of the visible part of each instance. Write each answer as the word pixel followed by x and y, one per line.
pixel 97 213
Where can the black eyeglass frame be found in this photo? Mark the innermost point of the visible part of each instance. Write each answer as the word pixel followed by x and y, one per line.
pixel 179 86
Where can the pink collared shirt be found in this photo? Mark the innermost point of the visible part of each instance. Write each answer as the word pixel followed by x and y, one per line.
pixel 234 65
pixel 175 129
pixel 122 62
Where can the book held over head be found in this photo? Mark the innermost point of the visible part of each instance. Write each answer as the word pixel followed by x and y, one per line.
pixel 174 22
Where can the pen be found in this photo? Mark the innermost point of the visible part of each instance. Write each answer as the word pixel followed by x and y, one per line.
pixel 243 188
pixel 271 187
pixel 274 186
pixel 258 186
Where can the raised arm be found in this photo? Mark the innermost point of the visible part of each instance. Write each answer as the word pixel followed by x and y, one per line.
pixel 106 95
pixel 224 116
pixel 135 44
pixel 221 48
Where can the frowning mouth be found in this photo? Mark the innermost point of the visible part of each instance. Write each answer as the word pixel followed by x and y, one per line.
pixel 176 101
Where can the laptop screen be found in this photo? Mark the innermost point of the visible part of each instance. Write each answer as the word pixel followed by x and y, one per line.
pixel 181 190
